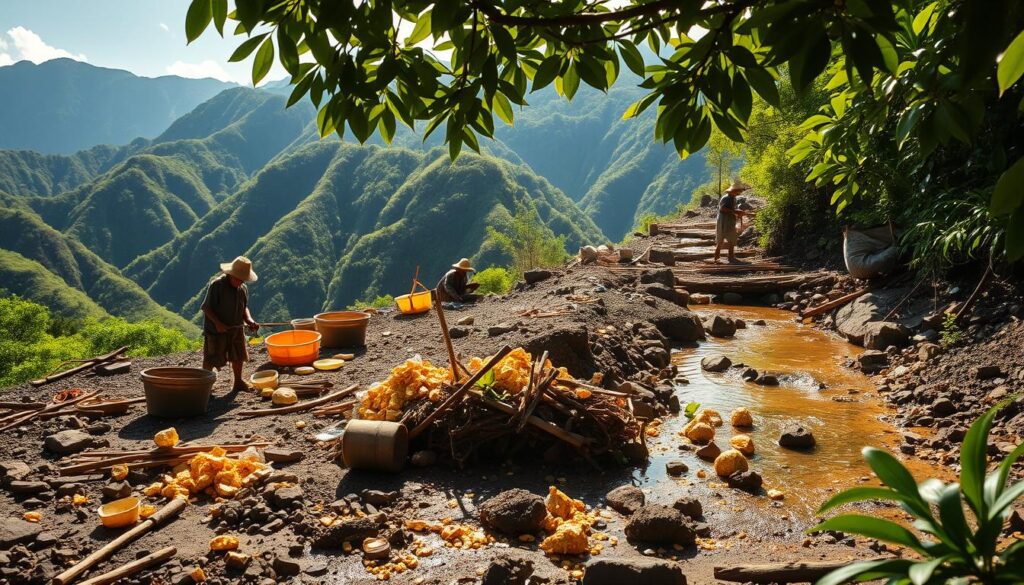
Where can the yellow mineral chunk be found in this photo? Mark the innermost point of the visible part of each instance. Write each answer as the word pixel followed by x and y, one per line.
pixel 224 542
pixel 32 516
pixel 569 539
pixel 284 397
pixel 741 418
pixel 147 510
pixel 743 443
pixel 79 500
pixel 700 433
pixel 776 494
pixel 198 575
pixel 166 438
pixel 561 505
pixel 729 462
pixel 119 472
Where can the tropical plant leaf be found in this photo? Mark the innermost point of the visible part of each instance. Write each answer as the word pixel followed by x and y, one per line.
pixel 860 494
pixel 870 527
pixel 1011 64
pixel 866 569
pixel 973 460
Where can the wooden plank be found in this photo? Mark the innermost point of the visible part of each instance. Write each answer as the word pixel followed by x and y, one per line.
pixel 835 303
pixel 792 572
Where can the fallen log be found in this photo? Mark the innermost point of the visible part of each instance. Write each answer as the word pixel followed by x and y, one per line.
pixel 301 406
pixel 168 512
pixel 791 572
pixel 554 430
pixel 833 304
pixel 129 569
pixel 85 365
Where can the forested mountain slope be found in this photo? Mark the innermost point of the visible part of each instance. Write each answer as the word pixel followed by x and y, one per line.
pixel 63 106
pixel 333 222
pixel 24 233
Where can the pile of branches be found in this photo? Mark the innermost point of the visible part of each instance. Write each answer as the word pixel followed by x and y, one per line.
pixel 475 422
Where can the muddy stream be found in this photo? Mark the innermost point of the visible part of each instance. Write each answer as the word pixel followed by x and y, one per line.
pixel 837 404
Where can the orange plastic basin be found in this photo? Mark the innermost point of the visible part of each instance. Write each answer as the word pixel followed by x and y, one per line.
pixel 415 303
pixel 120 513
pixel 293 348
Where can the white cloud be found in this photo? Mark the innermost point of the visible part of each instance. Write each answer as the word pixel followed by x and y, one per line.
pixel 6 59
pixel 29 46
pixel 207 68
pixel 165 27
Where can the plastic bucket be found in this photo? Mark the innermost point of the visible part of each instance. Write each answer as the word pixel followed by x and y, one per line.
pixel 414 303
pixel 304 324
pixel 173 392
pixel 343 328
pixel 375 445
pixel 293 348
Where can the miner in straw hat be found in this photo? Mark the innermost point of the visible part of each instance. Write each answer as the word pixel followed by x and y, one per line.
pixel 728 215
pixel 226 312
pixel 454 286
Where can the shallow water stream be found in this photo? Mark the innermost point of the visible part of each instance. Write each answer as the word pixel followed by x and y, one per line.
pixel 836 403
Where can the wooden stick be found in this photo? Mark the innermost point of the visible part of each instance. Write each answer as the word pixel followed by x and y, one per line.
pixel 81 368
pixel 22 405
pixel 300 407
pixel 791 572
pixel 20 418
pixel 595 389
pixel 573 439
pixel 171 510
pixel 447 338
pixel 537 394
pixel 458 394
pixel 127 569
pixel 828 306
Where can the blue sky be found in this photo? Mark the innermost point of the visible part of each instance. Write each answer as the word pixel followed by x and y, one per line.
pixel 146 37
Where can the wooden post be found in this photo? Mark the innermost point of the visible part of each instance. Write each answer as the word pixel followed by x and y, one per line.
pixel 133 567
pixel 169 511
pixel 452 360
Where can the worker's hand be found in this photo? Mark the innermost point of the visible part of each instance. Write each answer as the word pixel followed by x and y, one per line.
pixel 253 326
pixel 220 327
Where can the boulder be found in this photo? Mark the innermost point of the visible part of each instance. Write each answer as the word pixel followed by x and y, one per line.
pixel 657 357
pixel 70 441
pixel 719 326
pixel 942 407
pixel 748 481
pixel 767 380
pixel 796 437
pixel 14 470
pixel 588 254
pixel 661 256
pixel 664 277
pixel 882 334
pixel 667 293
pixel 708 452
pixel 536 275
pixel 689 506
pixel 873 361
pixel 638 571
pixel 626 499
pixel 660 524
pixel 15 531
pixel 506 570
pixel 567 345
pixel 715 363
pixel 515 511
pixel 458 332
pixel 731 298
pixel 927 351
pixel 500 329
pixel 685 327
pixel 676 468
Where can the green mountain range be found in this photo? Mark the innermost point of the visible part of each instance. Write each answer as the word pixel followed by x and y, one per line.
pixel 138 229
pixel 63 106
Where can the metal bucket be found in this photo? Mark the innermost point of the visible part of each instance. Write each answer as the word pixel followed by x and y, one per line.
pixel 177 392
pixel 376 445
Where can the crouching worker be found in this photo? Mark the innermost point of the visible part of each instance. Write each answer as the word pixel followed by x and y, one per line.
pixel 455 287
pixel 226 312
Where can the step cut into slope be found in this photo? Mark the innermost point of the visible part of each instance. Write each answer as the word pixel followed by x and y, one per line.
pixel 62 106
pixel 24 232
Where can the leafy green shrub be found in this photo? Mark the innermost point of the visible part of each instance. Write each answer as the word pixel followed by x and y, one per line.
pixel 960 550
pixel 529 242
pixel 494 280
pixel 951 332
pixel 378 302
pixel 30 348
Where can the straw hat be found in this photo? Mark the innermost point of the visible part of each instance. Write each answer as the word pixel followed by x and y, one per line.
pixel 240 268
pixel 737 187
pixel 464 265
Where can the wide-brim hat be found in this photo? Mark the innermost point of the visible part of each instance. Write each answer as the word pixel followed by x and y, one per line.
pixel 240 268
pixel 737 187
pixel 464 264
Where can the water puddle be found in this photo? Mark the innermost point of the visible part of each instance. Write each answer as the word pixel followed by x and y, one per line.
pixel 836 403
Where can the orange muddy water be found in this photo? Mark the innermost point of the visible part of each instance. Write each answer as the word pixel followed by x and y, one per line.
pixel 836 403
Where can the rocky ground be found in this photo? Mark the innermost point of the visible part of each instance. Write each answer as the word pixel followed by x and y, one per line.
pixel 625 335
